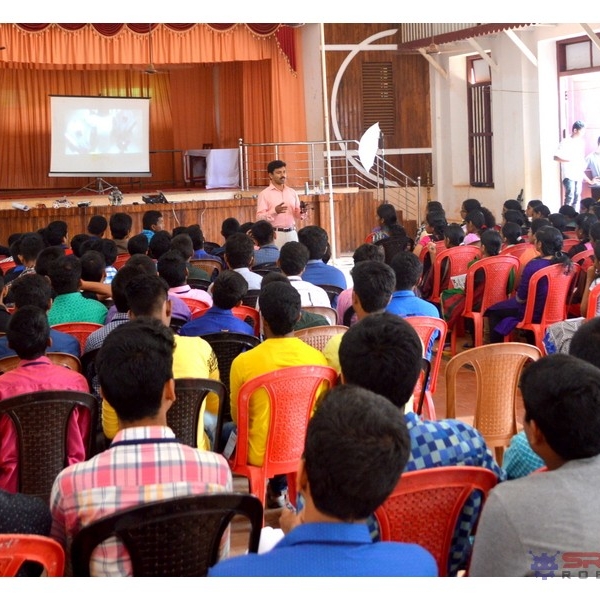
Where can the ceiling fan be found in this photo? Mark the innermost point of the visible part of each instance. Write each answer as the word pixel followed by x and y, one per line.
pixel 150 68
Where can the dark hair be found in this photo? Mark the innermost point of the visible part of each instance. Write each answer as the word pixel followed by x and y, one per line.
pixel 97 225
pixel 315 239
pixel 262 232
pixel 108 248
pixel 272 276
pixel 119 284
pixel 559 221
pixel 239 250
pixel 561 393
pixel 585 343
pixel 275 164
pixel 595 232
pixel 150 218
pixel 77 242
pixel 470 204
pixel 515 216
pixel 551 240
pixel 542 210
pixel 46 257
pixel 65 274
pixel 146 294
pixel 567 210
pixel 534 203
pixel 159 244
pixel 230 226
pixel 228 289
pixel 357 445
pixel 383 354
pixel 489 218
pixel 92 266
pixel 537 224
pixel 408 270
pixel 31 290
pixel 280 307
pixel 454 234
pixel 120 225
pixel 172 268
pixel 138 244
pixel 55 233
pixel 585 222
pixel 476 218
pixel 246 227
pixel 28 332
pixel 512 204
pixel 178 230
pixel 587 203
pixel 491 240
pixel 437 221
pixel 434 205
pixel 369 252
pixel 183 244
pixel 196 235
pixel 512 232
pixel 30 245
pixel 293 257
pixel 143 263
pixel 387 212
pixel 578 125
pixel 133 365
pixel 374 284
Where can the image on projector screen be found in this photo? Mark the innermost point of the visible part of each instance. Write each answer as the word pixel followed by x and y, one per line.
pixel 102 132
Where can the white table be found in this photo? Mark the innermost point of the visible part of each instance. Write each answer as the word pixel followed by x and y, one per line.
pixel 216 168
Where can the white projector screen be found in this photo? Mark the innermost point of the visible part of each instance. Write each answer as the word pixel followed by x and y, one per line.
pixel 98 136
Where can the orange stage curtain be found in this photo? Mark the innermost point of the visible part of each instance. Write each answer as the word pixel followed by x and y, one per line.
pixel 260 97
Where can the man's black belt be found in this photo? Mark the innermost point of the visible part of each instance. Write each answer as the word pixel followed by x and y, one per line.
pixel 284 229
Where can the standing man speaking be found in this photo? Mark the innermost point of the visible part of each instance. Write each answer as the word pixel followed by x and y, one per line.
pixel 279 204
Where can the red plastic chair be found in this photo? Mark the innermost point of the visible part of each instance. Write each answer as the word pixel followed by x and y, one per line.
pixel 16 549
pixel 292 392
pixel 516 250
pixel 439 247
pixel 197 307
pixel 585 260
pixel 458 259
pixel 247 312
pixel 569 243
pixel 497 271
pixel 427 328
pixel 121 260
pixel 79 329
pixel 592 302
pixel 425 507
pixel 555 308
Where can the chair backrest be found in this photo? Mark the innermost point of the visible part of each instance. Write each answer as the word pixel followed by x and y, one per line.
pixel 516 249
pixel 190 395
pixel 431 329
pixel 198 284
pixel 41 421
pixel 121 260
pixel 17 549
pixel 425 507
pixel 209 265
pixel 497 370
pixel 457 259
pixel 264 268
pixel 78 329
pixel 251 298
pixel 592 302
pixel 497 270
pixel 560 281
pixel 333 291
pixel 8 363
pixel 249 315
pixel 227 346
pixel 292 393
pixel 317 337
pixel 210 246
pixel 584 259
pixel 439 247
pixel 197 307
pixel 393 245
pixel 178 537
pixel 569 243
pixel 326 311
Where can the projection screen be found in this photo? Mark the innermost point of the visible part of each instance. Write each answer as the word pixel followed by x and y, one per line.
pixel 99 136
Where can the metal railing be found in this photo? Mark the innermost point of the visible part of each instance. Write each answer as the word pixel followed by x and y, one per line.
pixel 307 167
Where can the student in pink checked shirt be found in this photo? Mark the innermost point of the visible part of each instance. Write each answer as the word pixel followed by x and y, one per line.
pixel 145 461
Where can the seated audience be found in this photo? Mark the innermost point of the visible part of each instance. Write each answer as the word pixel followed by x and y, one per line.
pixel 264 234
pixel 173 269
pixel 137 244
pixel 120 225
pixel 135 368
pixel 28 335
pixel 228 227
pixel 69 305
pixel 152 222
pixel 97 226
pixel 182 243
pixel 293 257
pixel 547 514
pixel 4 314
pixel 159 244
pixel 356 449
pixel 227 292
pixel 239 256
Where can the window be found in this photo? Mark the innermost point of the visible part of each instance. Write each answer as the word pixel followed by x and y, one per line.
pixel 480 122
pixel 379 100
